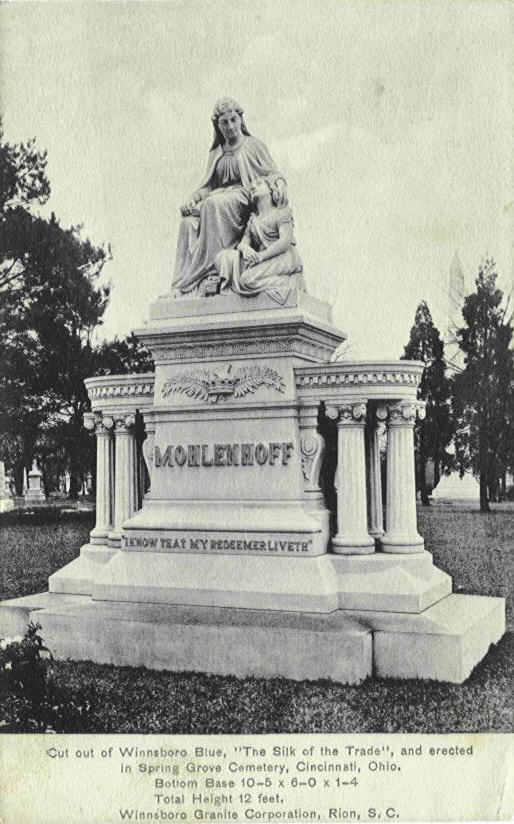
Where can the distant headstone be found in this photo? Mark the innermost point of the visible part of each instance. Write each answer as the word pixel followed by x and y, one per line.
pixel 6 502
pixel 454 488
pixel 35 492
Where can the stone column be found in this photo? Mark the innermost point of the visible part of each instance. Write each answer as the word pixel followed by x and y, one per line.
pixel 352 523
pixel 401 529
pixel 375 430
pixel 125 489
pixel 103 425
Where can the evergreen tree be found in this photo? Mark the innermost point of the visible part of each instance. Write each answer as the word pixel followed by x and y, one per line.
pixel 50 304
pixel 433 434
pixel 484 390
pixel 121 356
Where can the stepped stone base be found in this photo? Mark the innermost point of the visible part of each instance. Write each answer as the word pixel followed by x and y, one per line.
pixel 326 583
pixel 6 504
pixel 444 642
pixel 76 578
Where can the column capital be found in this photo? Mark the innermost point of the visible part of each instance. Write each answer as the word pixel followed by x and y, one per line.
pixel 352 413
pixel 123 421
pixel 89 420
pixel 401 413
pixel 99 422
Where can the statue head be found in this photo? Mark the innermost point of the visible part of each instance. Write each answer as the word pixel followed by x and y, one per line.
pixel 268 185
pixel 224 106
pixel 260 186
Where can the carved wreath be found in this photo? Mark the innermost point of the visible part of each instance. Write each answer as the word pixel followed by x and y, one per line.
pixel 214 386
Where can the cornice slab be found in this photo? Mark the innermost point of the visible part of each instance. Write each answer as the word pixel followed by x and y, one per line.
pixel 345 379
pixel 121 391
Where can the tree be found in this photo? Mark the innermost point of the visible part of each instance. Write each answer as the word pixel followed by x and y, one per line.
pixel 484 390
pixel 123 356
pixel 433 434
pixel 51 302
pixel 23 179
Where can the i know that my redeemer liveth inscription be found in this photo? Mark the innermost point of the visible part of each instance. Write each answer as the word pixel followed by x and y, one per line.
pixel 214 548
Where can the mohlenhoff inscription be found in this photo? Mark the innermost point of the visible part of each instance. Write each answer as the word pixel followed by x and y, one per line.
pixel 224 454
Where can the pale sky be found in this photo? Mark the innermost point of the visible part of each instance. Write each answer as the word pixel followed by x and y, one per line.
pixel 392 122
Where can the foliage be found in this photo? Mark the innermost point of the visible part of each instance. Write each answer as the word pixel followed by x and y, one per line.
pixel 23 179
pixel 484 390
pixel 51 301
pixel 434 433
pixel 23 675
pixel 31 700
pixel 122 356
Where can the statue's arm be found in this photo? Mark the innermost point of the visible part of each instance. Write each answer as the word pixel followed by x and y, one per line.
pixel 285 238
pixel 203 190
pixel 244 246
pixel 245 240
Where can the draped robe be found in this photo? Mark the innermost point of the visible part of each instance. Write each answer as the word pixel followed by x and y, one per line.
pixel 223 211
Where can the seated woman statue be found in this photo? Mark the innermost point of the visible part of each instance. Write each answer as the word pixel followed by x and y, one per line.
pixel 217 213
pixel 266 258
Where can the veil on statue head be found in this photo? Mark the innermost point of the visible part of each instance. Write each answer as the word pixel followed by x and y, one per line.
pixel 225 104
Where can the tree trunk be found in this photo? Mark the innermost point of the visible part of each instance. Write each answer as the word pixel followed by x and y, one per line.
pixel 74 477
pixel 483 466
pixel 484 500
pixel 437 472
pixel 422 468
pixel 18 476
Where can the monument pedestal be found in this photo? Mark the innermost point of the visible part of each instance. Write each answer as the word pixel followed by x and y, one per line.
pixel 35 493
pixel 227 564
pixel 443 643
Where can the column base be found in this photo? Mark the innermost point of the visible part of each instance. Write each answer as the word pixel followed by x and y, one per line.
pixel 77 577
pixel 353 545
pixel 98 536
pixel 398 544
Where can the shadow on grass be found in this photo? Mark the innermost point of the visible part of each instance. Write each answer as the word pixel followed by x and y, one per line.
pixel 136 700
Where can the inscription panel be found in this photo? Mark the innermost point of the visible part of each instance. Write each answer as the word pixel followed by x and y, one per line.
pixel 227 460
pixel 223 543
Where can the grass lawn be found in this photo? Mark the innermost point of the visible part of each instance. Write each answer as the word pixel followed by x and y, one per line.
pixel 476 550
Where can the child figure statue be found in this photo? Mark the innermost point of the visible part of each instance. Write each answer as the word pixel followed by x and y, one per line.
pixel 266 257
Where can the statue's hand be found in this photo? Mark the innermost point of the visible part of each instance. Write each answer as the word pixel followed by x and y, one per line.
pixel 249 254
pixel 189 208
pixel 281 192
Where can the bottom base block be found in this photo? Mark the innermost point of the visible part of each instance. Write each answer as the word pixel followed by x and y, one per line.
pixel 443 643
